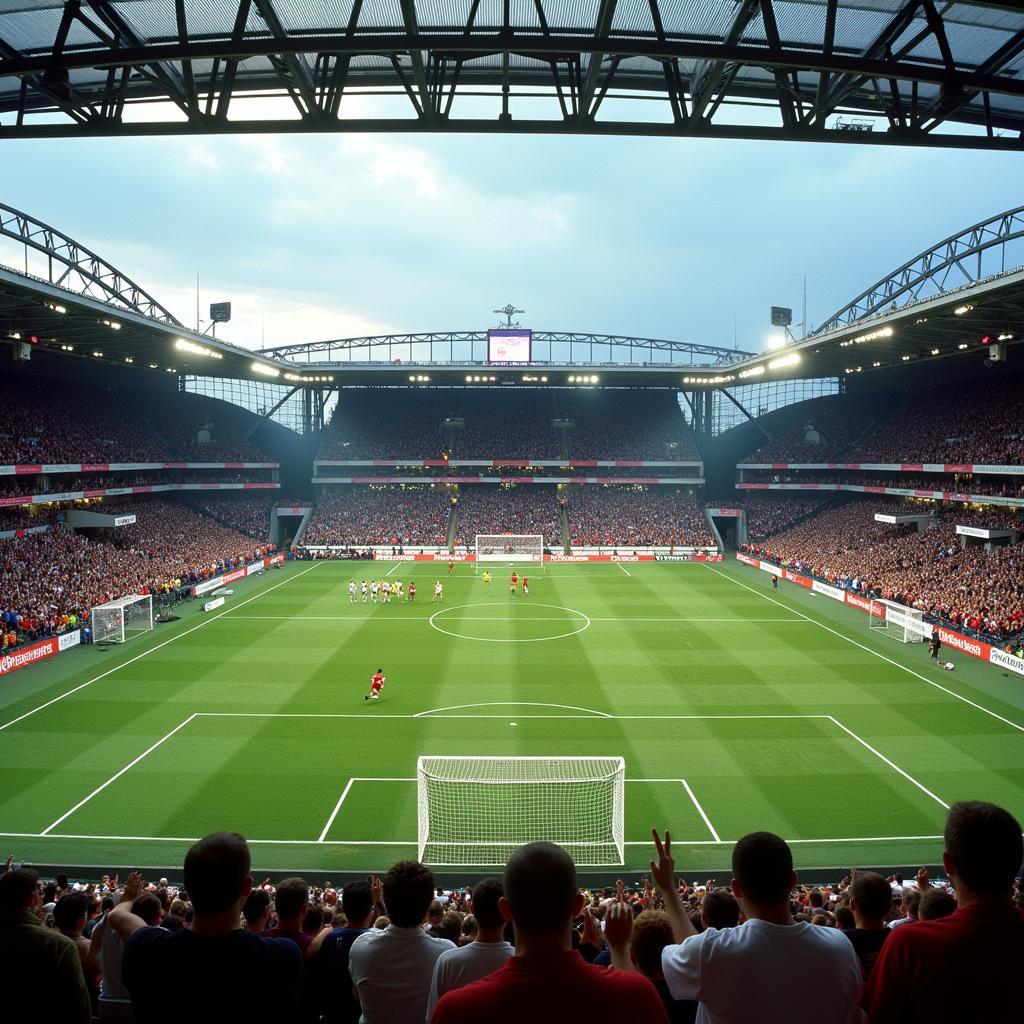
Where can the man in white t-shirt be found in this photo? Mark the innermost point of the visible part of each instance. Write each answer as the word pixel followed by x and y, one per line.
pixel 745 973
pixel 392 968
pixel 484 955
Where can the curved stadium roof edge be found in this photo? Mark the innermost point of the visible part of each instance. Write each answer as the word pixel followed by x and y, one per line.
pixel 904 72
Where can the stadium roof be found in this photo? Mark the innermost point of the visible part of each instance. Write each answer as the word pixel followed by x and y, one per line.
pixel 905 72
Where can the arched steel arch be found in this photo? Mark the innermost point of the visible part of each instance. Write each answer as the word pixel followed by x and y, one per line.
pixel 964 258
pixel 898 72
pixel 74 267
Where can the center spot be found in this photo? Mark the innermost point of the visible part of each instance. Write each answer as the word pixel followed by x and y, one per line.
pixel 530 621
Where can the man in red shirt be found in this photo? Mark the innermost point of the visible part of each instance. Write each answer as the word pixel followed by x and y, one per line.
pixel 962 967
pixel 547 980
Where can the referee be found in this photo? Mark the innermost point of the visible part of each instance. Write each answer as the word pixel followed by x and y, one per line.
pixel 934 644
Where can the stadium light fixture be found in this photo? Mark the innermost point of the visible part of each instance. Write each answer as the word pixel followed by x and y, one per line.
pixel 962 345
pixel 184 345
pixel 1005 337
pixel 112 324
pixel 154 366
pixel 55 306
pixel 267 371
pixel 775 342
pixel 171 369
pixel 965 308
pixel 128 359
pixel 783 361
pixel 544 380
pixel 752 371
pixel 469 378
pixel 906 359
pixel 98 355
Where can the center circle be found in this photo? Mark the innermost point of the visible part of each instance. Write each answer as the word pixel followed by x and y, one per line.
pixel 511 617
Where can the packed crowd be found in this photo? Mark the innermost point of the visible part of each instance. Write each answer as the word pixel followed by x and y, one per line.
pixel 982 592
pixel 379 423
pixel 528 945
pixel 983 425
pixel 507 424
pixel 767 516
pixel 526 509
pixel 250 516
pixel 612 425
pixel 828 427
pixel 636 517
pixel 956 483
pixel 50 581
pixel 379 515
pixel 51 421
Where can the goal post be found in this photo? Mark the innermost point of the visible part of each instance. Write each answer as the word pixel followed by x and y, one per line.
pixel 475 811
pixel 898 621
pixel 117 621
pixel 515 549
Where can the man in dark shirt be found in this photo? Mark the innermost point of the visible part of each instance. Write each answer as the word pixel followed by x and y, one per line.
pixel 870 901
pixel 329 956
pixel 291 899
pixel 227 973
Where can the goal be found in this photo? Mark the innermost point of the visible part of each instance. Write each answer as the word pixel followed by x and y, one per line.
pixel 517 549
pixel 478 810
pixel 117 621
pixel 904 624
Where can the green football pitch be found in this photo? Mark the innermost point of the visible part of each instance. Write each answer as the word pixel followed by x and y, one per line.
pixel 735 708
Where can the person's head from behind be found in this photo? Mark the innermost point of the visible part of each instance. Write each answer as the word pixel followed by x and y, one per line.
pixel 983 848
pixel 216 874
pixel 910 902
pixel 291 900
pixel 357 902
pixel 487 906
pixel 541 893
pixel 149 907
pixel 255 909
pixel 408 891
pixel 719 909
pixel 19 889
pixel 435 912
pixel 652 932
pixel 935 903
pixel 70 912
pixel 870 899
pixel 450 927
pixel 762 870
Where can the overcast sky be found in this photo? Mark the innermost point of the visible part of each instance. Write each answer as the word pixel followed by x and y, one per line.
pixel 333 236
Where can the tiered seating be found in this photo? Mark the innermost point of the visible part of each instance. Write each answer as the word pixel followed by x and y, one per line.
pixel 388 515
pixel 636 517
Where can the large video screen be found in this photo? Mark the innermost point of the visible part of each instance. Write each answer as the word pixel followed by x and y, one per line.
pixel 509 346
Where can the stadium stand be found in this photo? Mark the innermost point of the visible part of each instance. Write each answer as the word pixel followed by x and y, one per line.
pixel 771 514
pixel 977 591
pixel 510 510
pixel 636 517
pixel 250 516
pixel 379 515
pixel 609 425
pixel 507 425
pixel 384 423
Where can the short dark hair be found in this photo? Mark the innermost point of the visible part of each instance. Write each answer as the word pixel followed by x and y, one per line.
pixel 652 932
pixel 540 887
pixel 356 900
pixel 984 843
pixel 845 918
pixel 912 899
pixel 408 890
pixel 450 927
pixel 16 887
pixel 719 909
pixel 762 863
pixel 215 871
pixel 148 907
pixel 486 895
pixel 872 893
pixel 936 903
pixel 70 909
pixel 291 897
pixel 255 905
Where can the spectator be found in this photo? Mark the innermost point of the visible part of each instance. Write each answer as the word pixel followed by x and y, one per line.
pixel 70 915
pixel 485 954
pixel 107 946
pixel 391 968
pixel 719 909
pixel 44 979
pixel 291 901
pixel 766 949
pixel 871 902
pixel 256 911
pixel 636 517
pixel 329 954
pixel 923 970
pixel 936 903
pixel 547 980
pixel 231 974
pixel 652 934
pixel 909 903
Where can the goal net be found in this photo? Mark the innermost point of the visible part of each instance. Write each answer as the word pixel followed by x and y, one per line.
pixel 478 810
pixel 512 549
pixel 904 624
pixel 117 621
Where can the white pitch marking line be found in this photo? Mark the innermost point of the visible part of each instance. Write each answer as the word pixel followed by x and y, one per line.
pixel 334 813
pixel 114 778
pixel 877 654
pixel 624 569
pixel 896 768
pixel 700 810
pixel 392 569
pixel 513 704
pixel 177 636
pixel 503 618
pixel 422 714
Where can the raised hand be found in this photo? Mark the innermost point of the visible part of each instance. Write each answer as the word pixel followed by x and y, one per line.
pixel 618 925
pixel 663 870
pixel 133 887
pixel 922 879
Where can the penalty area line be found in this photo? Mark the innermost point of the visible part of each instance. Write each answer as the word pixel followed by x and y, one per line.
pixel 877 654
pixel 334 813
pixel 624 569
pixel 700 811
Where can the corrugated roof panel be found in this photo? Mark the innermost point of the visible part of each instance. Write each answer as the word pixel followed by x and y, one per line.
pixel 800 24
pixel 313 15
pixel 857 27
pixel 633 16
pixel 382 13
pixel 700 19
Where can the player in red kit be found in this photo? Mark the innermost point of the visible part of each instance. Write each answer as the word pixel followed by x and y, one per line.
pixel 376 685
pixel 451 567
pixel 526 586
pixel 512 585
pixel 412 591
